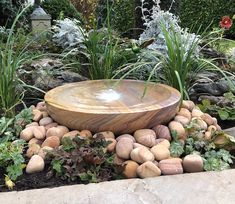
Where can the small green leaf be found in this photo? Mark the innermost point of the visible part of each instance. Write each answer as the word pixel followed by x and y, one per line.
pixel 223 114
pixel 176 149
pixel 57 166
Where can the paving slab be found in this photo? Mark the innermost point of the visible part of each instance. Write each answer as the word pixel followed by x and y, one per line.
pixel 198 188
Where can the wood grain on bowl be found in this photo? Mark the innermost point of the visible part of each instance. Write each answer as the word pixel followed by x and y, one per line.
pixel 115 105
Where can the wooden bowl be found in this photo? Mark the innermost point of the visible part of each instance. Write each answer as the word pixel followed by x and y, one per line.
pixel 115 105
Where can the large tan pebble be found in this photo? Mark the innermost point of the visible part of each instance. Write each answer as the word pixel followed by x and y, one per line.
pixel 164 142
pixel 160 152
pixel 32 124
pixel 145 137
pixel 105 134
pixel 34 141
pixel 212 128
pixel 193 163
pixel 124 147
pixel 181 119
pixel 130 170
pixel 197 113
pixel 117 160
pixel 159 141
pixel 39 132
pixel 51 125
pixel 58 131
pixel 41 106
pixel 37 115
pixel 32 107
pixel 218 127
pixel 112 145
pixel 85 134
pixel 208 119
pixel 52 141
pixel 71 134
pixel 43 151
pixel 155 162
pixel 185 112
pixel 208 135
pixel 199 123
pixel 175 159
pixel 188 105
pixel 215 122
pixel 178 128
pixel 141 155
pixel 27 133
pixel 32 150
pixel 45 121
pixel 126 135
pixel 136 145
pixel 162 131
pixel 170 166
pixel 45 114
pixel 148 169
pixel 36 164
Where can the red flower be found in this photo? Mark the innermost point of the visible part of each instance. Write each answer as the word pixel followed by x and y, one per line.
pixel 226 22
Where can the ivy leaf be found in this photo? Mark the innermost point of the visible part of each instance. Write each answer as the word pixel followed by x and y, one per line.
pixel 224 115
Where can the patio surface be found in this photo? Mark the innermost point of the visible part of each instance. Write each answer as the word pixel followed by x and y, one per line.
pixel 198 188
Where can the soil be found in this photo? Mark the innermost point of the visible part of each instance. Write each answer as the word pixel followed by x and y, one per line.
pixel 35 181
pixel 44 179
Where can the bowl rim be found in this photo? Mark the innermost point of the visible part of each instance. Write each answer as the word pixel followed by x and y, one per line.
pixel 174 98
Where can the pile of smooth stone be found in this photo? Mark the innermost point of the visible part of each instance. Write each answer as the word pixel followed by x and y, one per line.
pixel 144 154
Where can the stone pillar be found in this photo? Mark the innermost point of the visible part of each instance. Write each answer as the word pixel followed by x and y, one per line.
pixel 40 20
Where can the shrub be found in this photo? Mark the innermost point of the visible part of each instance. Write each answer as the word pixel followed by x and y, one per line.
pixel 122 15
pixel 60 8
pixel 8 11
pixel 202 13
pixel 88 10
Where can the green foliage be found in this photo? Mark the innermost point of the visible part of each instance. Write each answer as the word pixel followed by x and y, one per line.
pixel 9 10
pixel 101 54
pixel 10 128
pixel 11 158
pixel 13 54
pixel 176 148
pixel 213 151
pixel 60 8
pixel 84 160
pixel 199 14
pixel 180 60
pixel 224 110
pixel 217 160
pixel 106 51
pixel 122 14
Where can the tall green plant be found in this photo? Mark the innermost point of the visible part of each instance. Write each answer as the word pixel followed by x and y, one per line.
pixel 180 60
pixel 11 59
pixel 101 48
